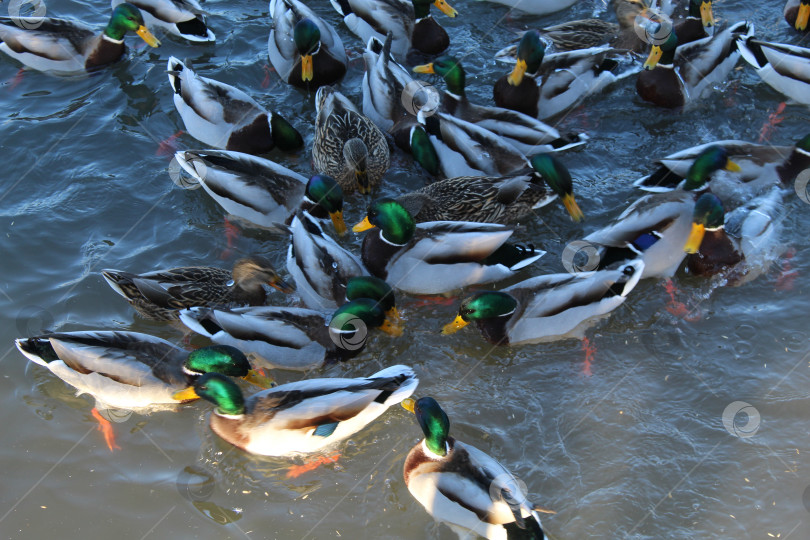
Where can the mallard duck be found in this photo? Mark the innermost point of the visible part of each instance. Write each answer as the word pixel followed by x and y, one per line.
pixel 302 416
pixel 302 339
pixel 537 7
pixel 786 68
pixel 158 295
pixel 462 486
pixel 182 18
pixel 673 77
pixel 797 12
pixel 525 133
pixel 128 370
pixel 348 146
pixel 547 308
pixel 438 256
pixel 262 191
pixel 319 266
pixel 222 116
pixel 304 50
pixel 409 21
pixel 542 86
pixel 63 46
pixel 698 23
pixel 503 199
pixel 384 82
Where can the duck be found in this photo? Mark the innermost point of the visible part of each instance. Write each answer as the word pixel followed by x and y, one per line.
pixel 547 308
pixel 797 12
pixel 463 487
pixel 503 199
pixel 785 68
pixel 537 7
pixel 130 370
pixel 300 339
pixel 347 146
pixel 409 21
pixel 181 18
pixel 302 416
pixel 525 133
pixel 160 294
pixel 304 50
pixel 698 24
pixel 384 83
pixel 64 47
pixel 671 77
pixel 543 86
pixel 319 266
pixel 224 117
pixel 260 191
pixel 437 257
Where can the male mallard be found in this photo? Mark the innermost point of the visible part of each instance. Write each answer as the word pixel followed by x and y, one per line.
pixel 348 146
pixel 797 12
pixel 786 68
pixel 462 486
pixel 547 308
pixel 304 50
pixel 542 86
pixel 409 21
pixel 503 199
pixel 302 416
pixel 182 18
pixel 128 370
pixel 438 256
pixel 697 24
pixel 261 191
pixel 64 46
pixel 158 295
pixel 224 117
pixel 302 339
pixel 320 267
pixel 525 133
pixel 672 77
pixel 383 85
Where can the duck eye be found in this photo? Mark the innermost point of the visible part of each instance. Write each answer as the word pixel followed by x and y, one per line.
pixel 629 271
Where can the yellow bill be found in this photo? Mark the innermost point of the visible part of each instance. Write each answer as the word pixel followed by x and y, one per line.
pixel 695 238
pixel 424 68
pixel 655 55
pixel 572 207
pixel 733 167
pixel 445 8
pixel 147 36
pixel 259 378
pixel 393 316
pixel 408 404
pixel 802 17
pixel 453 327
pixel 706 13
pixel 337 221
pixel 391 329
pixel 306 67
pixel 516 77
pixel 363 225
pixel 186 395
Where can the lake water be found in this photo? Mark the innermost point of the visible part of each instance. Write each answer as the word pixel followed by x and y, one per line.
pixel 622 435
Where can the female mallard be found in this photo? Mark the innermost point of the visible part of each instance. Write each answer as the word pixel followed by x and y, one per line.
pixel 224 117
pixel 302 416
pixel 348 146
pixel 158 295
pixel 525 133
pixel 64 46
pixel 797 12
pixel 503 199
pixel 304 50
pixel 547 308
pixel 320 267
pixel 543 86
pixel 261 191
pixel 409 21
pixel 786 68
pixel 671 78
pixel 302 339
pixel 128 370
pixel 182 18
pixel 462 486
pixel 438 256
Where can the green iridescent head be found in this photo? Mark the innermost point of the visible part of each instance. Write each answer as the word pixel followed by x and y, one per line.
pixel 482 306
pixel 222 392
pixel 558 178
pixel 661 52
pixel 222 359
pixel 127 18
pixel 423 151
pixel 307 37
pixel 325 192
pixel 710 160
pixel 530 53
pixel 708 215
pixel 421 8
pixel 434 423
pixel 284 135
pixel 373 288
pixel 804 143
pixel 451 71
pixel 396 223
pixel 351 322
pixel 702 9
